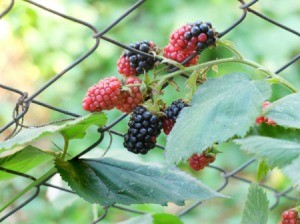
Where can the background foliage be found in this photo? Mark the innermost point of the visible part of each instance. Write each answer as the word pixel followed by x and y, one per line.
pixel 35 45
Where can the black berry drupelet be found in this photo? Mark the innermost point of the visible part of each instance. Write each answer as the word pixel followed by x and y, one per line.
pixel 144 127
pixel 131 63
pixel 172 113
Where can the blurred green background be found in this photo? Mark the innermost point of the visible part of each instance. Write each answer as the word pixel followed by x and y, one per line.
pixel 35 45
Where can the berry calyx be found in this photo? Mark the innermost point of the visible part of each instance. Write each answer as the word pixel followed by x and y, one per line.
pixel 102 96
pixel 172 113
pixel 290 217
pixel 131 63
pixel 200 161
pixel 132 98
pixel 144 127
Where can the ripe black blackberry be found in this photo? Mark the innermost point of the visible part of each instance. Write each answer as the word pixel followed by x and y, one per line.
pixel 144 127
pixel 131 63
pixel 172 113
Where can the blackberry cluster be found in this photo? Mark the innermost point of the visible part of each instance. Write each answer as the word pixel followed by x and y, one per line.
pixel 131 63
pixel 172 113
pixel 144 127
pixel 290 217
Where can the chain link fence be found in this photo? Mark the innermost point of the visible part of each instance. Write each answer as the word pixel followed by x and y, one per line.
pixel 25 100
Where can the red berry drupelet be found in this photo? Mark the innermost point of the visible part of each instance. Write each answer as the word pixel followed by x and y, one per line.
pixel 131 63
pixel 188 39
pixel 172 113
pixel 290 217
pixel 103 96
pixel 200 161
pixel 130 99
pixel 144 127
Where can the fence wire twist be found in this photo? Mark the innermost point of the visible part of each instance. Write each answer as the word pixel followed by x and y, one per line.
pixel 23 104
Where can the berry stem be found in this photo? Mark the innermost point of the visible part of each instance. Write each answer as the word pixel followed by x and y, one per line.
pixel 66 146
pixel 275 78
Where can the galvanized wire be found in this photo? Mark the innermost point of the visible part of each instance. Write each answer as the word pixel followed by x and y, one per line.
pixel 25 101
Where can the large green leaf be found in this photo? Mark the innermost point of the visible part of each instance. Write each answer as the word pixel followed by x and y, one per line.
pixel 276 152
pixel 285 111
pixel 23 161
pixel 220 109
pixel 159 218
pixel 107 181
pixel 71 130
pixel 256 207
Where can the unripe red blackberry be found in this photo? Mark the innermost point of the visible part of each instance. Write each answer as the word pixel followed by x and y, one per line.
pixel 144 127
pixel 103 96
pixel 130 99
pixel 200 161
pixel 172 113
pixel 290 217
pixel 131 63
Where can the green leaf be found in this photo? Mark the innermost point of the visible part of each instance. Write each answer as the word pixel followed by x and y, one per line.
pixel 285 111
pixel 220 109
pixel 71 130
pixel 107 181
pixel 159 218
pixel 23 161
pixel 262 170
pixel 256 208
pixel 276 152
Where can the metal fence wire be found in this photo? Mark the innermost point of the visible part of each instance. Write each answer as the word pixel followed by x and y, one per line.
pixel 23 104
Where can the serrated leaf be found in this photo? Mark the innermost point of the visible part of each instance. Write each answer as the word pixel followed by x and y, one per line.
pixel 159 218
pixel 262 170
pixel 23 161
pixel 256 208
pixel 220 109
pixel 285 111
pixel 72 130
pixel 276 152
pixel 108 181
